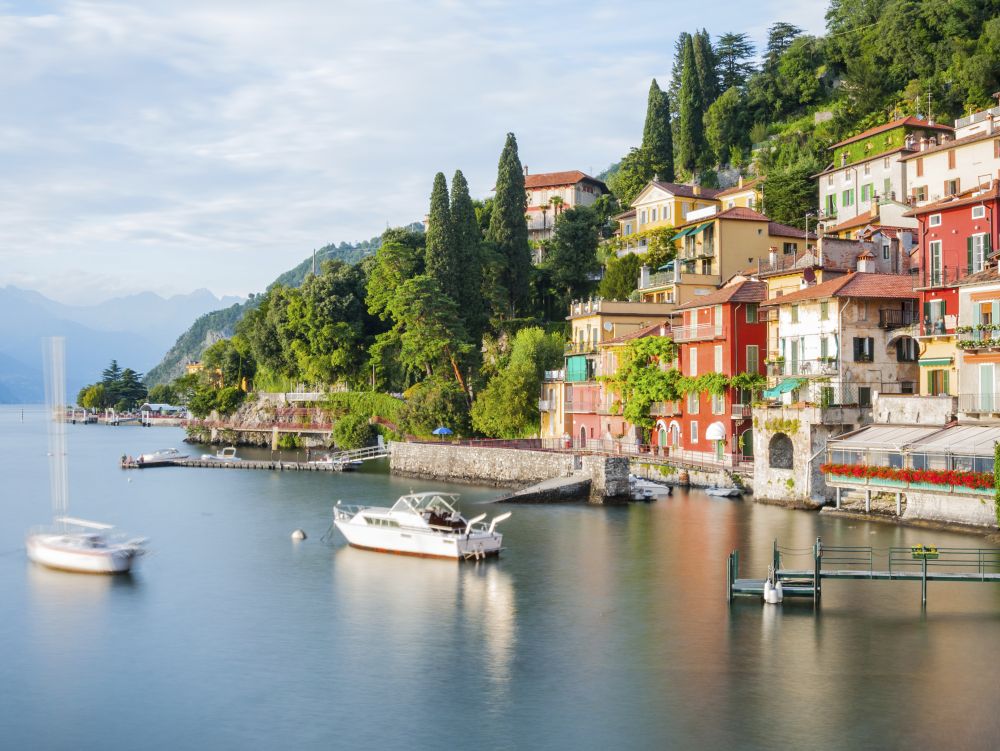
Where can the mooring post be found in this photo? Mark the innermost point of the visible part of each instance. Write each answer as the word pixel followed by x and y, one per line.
pixel 729 578
pixel 838 497
pixel 868 500
pixel 775 556
pixel 923 582
pixel 899 504
pixel 817 567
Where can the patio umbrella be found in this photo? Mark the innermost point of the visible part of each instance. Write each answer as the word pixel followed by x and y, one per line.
pixel 441 430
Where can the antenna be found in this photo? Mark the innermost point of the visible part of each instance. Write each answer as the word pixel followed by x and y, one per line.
pixel 54 361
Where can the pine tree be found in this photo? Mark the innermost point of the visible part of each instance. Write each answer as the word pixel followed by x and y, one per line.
pixel 441 262
pixel 676 71
pixel 508 230
pixel 690 135
pixel 469 253
pixel 733 54
pixel 657 140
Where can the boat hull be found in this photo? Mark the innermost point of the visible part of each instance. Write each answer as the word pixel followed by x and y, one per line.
pixel 47 551
pixel 422 544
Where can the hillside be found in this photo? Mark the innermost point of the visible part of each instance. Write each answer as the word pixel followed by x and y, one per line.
pixel 221 324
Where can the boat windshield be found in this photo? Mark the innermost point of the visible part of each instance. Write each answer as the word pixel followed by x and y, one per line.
pixel 438 503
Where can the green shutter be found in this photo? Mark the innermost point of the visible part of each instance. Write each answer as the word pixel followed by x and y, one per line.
pixel 976 315
pixel 822 346
pixel 944 382
pixel 930 382
pixel 968 245
pixel 995 313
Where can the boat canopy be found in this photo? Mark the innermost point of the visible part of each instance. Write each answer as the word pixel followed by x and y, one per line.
pixel 417 503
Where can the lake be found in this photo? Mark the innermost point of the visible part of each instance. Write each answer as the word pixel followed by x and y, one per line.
pixel 599 628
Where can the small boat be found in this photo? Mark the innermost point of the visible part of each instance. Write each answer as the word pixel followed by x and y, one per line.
pixel 227 454
pixel 724 492
pixel 422 524
pixel 83 546
pixel 336 463
pixel 160 458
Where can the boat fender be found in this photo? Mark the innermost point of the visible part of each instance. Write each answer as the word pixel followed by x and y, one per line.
pixel 768 589
pixel 778 594
pixel 298 535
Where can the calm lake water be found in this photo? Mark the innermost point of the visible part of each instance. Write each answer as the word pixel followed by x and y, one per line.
pixel 600 628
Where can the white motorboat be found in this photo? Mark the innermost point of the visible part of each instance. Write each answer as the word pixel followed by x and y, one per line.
pixel 159 458
pixel 724 492
pixel 73 544
pixel 422 524
pixel 227 454
pixel 83 546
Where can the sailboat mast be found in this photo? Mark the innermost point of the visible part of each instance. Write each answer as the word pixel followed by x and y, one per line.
pixel 55 398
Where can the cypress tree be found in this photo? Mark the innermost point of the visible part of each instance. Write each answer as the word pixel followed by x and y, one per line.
pixel 508 230
pixel 440 254
pixel 469 254
pixel 657 140
pixel 690 133
pixel 705 63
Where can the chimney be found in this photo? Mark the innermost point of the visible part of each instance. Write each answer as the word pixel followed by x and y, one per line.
pixel 740 183
pixel 643 277
pixel 923 143
pixel 772 255
pixel 526 170
pixel 696 189
pixel 866 262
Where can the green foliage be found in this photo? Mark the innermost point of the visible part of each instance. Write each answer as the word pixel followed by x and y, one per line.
pixel 508 231
pixel 120 388
pixel 782 425
pixel 433 403
pixel 643 379
pixel 289 441
pixel 752 382
pixel 163 394
pixel 725 124
pixel 572 255
pixel 227 399
pixel 621 277
pixel 352 431
pixel 996 481
pixel 441 259
pixel 734 53
pixel 633 174
pixel 233 358
pixel 657 138
pixel 467 236
pixel 94 396
pixel 690 137
pixel 790 193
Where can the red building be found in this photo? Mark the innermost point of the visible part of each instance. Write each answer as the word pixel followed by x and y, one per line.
pixel 955 237
pixel 721 332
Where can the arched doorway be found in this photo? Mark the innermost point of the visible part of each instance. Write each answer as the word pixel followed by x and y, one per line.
pixel 675 434
pixel 583 436
pixel 746 443
pixel 780 454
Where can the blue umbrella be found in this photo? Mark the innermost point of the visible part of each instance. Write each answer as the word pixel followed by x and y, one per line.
pixel 442 430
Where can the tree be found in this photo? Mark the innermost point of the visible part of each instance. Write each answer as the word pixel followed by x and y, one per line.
pixel 441 259
pixel 800 73
pixel 657 139
pixel 790 193
pixel 468 241
pixel 131 390
pixel 94 396
pixel 508 230
pixel 690 131
pixel 780 36
pixel 725 126
pixel 621 277
pixel 352 431
pixel 633 174
pixel 734 53
pixel 705 64
pixel 163 393
pixel 572 256
pixel 111 374
pixel 434 403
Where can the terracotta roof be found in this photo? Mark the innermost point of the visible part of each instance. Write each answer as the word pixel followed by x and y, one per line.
pixel 965 198
pixel 989 274
pixel 747 291
pixel 747 185
pixel 551 179
pixel 857 221
pixel 911 121
pixel 950 144
pixel 866 158
pixel 866 254
pixel 783 230
pixel 855 284
pixel 652 329
pixel 625 214
pixel 749 215
pixel 685 191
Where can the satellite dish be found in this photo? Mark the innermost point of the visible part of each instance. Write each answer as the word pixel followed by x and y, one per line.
pixel 809 276
pixel 608 325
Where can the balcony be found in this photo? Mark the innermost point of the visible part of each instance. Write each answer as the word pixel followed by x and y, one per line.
pixel 659 279
pixel 818 367
pixel 696 332
pixel 555 375
pixel 585 406
pixel 890 319
pixel 546 405
pixel 931 278
pixel 979 404
pixel 580 348
pixel 740 412
pixel 979 338
pixel 665 409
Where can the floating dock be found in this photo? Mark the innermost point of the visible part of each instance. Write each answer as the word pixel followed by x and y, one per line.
pixel 923 563
pixel 342 461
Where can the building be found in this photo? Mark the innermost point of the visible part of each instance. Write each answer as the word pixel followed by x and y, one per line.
pixel 746 193
pixel 885 212
pixel 868 167
pixel 956 238
pixel 978 346
pixel 660 205
pixel 551 193
pixel 713 247
pixel 718 333
pixel 572 403
pixel 947 166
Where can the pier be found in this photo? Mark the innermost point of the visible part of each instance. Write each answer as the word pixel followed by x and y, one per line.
pixel 923 563
pixel 341 461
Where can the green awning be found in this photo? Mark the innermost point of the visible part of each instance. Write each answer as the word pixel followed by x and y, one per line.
pixel 699 228
pixel 936 362
pixel 682 233
pixel 668 266
pixel 783 388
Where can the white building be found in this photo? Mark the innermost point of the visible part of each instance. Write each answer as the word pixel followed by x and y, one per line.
pixel 551 193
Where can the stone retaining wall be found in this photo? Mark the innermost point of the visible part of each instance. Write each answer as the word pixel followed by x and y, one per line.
pixel 950 509
pixel 503 468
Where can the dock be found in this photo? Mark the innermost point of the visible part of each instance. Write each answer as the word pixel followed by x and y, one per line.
pixel 923 563
pixel 341 461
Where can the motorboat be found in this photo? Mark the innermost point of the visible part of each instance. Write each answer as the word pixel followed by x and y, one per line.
pixel 160 458
pixel 423 524
pixel 334 462
pixel 724 492
pixel 83 546
pixel 227 454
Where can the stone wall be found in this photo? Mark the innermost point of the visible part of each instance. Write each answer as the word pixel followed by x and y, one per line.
pixel 907 409
pixel 609 478
pixel 951 509
pixel 504 468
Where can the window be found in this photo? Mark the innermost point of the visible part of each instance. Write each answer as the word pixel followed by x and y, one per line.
pixel 978 250
pixel 847 197
pixel 978 212
pixel 920 167
pixel 829 178
pixel 823 348
pixel 950 187
pixel 885 164
pixel 864 349
pixel 887 187
pixel 694 431
pixel 951 159
pixel 866 192
pixel 824 311
pixel 642 217
pixel 934 311
pixel 790 248
pixel 693 365
pixel 628 228
pixel 693 403
pixel 795 314
pixel 862 311
pixel 885 251
pixel 706 266
pixel 864 396
pixel 751 312
pixel 718 358
pixel 753 358
pixel 937 382
pixel 906 349
pixel 934 220
pixel 718 404
pixel 936 270
pixel 831 205
pixel 730 204
pixel 920 193
pixel 868 168
pixel 996 149
pixel 652 214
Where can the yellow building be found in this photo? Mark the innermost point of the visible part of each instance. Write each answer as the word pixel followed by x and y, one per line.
pixel 659 205
pixel 749 194
pixel 713 247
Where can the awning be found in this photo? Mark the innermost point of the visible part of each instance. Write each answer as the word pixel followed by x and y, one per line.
pixel 783 388
pixel 716 432
pixel 668 266
pixel 936 362
pixel 699 228
pixel 683 233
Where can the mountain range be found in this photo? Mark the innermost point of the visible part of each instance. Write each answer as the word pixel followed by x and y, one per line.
pixel 134 330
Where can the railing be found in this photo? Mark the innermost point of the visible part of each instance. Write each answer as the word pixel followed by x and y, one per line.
pixel 584 406
pixel 740 411
pixel 979 403
pixel 890 319
pixel 545 405
pixel 555 375
pixel 978 338
pixel 580 348
pixel 698 331
pixel 659 279
pixel 940 277
pixel 819 366
pixel 983 560
pixel 664 409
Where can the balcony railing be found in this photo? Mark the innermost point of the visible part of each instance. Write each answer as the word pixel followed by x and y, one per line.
pixel 546 405
pixel 940 277
pixel 741 411
pixel 659 279
pixel 982 404
pixel 698 331
pixel 665 409
pixel 978 338
pixel 818 366
pixel 890 319
pixel 581 348
pixel 555 375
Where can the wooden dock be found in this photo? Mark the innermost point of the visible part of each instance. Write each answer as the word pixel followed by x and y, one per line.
pixel 341 461
pixel 916 563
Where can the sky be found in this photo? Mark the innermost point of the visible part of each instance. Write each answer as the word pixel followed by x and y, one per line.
pixel 178 144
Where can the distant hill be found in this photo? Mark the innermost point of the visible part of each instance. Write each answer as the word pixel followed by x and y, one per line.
pixel 133 330
pixel 221 324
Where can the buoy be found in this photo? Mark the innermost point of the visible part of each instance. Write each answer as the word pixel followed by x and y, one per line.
pixel 299 534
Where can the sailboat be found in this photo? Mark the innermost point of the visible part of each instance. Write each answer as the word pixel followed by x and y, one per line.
pixel 69 543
